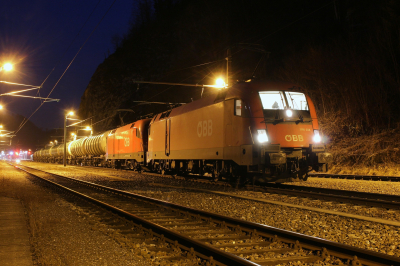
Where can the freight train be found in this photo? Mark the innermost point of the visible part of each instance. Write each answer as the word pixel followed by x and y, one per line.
pixel 264 131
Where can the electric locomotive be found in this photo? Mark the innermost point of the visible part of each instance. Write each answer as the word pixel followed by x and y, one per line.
pixel 265 131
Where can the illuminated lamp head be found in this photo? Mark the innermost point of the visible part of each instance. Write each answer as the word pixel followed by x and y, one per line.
pixel 262 136
pixel 220 83
pixel 8 67
pixel 317 137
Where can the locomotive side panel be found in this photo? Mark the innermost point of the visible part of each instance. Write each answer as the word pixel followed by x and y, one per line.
pixel 126 143
pixel 192 135
pixel 238 139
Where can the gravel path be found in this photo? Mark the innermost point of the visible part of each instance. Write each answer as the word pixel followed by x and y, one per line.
pixel 373 236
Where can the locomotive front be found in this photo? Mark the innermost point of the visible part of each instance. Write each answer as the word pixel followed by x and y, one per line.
pixel 287 143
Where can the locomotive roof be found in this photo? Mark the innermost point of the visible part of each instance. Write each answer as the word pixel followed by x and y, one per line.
pixel 242 90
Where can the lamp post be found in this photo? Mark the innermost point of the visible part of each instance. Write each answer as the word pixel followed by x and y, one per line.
pixel 65 138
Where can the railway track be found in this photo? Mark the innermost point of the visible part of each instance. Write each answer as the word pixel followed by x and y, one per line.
pixel 344 196
pixel 214 238
pixel 358 177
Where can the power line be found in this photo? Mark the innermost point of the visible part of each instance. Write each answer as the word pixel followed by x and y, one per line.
pixel 73 59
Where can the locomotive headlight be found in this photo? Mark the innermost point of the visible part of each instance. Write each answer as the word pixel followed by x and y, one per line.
pixel 262 135
pixel 317 136
pixel 289 113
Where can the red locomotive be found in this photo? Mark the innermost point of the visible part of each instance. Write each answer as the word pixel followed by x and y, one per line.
pixel 266 131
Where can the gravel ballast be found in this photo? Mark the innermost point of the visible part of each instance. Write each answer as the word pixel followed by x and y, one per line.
pixel 62 233
pixel 362 234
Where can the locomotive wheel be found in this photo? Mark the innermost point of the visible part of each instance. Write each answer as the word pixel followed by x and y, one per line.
pixel 303 176
pixel 323 168
pixel 216 176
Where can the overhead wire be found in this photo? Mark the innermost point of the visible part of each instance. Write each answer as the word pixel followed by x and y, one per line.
pixel 268 35
pixel 58 62
pixel 289 24
pixel 212 62
pixel 73 59
pixel 69 46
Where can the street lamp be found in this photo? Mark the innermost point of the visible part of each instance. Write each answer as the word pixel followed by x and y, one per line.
pixel 65 137
pixel 6 67
pixel 220 83
pixel 87 128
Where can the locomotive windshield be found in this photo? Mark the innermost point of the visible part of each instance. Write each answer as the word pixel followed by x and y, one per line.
pixel 275 102
pixel 296 100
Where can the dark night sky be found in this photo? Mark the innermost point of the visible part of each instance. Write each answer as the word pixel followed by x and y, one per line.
pixel 34 35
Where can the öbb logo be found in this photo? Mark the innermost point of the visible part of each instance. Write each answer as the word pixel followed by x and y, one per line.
pixel 294 138
pixel 204 128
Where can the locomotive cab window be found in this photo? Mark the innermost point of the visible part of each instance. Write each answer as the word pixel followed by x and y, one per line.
pixel 281 106
pixel 297 100
pixel 241 108
pixel 238 107
pixel 272 100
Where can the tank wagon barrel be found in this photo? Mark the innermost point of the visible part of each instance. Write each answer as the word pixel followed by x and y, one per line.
pixel 96 145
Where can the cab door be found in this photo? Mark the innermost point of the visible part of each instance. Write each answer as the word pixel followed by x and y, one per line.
pixel 167 136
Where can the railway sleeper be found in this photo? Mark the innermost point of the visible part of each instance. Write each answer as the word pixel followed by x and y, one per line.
pixel 261 251
pixel 208 232
pixel 275 261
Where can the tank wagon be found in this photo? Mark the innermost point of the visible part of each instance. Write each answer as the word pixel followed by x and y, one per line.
pixel 266 131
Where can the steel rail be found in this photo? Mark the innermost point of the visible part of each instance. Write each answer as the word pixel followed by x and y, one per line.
pixel 203 250
pixel 362 198
pixel 339 250
pixel 357 177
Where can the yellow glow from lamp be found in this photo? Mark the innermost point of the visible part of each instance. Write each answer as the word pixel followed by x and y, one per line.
pixel 8 67
pixel 220 83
